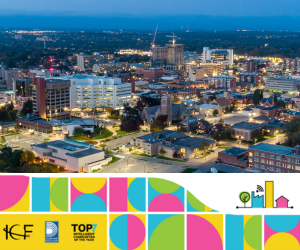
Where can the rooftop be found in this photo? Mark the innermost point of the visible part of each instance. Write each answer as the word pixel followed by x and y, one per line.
pixel 246 125
pixel 159 136
pixel 271 148
pixel 234 151
pixel 84 153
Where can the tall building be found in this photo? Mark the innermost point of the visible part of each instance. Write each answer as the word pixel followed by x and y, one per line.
pixel 22 89
pixel 281 84
pixel 170 56
pixel 213 69
pixel 224 56
pixel 166 106
pixel 86 62
pixel 88 92
pixel 10 75
pixel 51 98
pixel 196 74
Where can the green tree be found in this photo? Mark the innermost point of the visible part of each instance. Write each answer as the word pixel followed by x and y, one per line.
pixel 275 98
pixel 244 197
pixel 280 103
pixel 27 157
pixel 216 112
pixel 176 100
pixel 204 145
pixel 256 97
pixel 27 108
pixel 97 131
pixel 15 158
pixel 78 132
pixel 162 151
pixel 6 152
pixel 157 126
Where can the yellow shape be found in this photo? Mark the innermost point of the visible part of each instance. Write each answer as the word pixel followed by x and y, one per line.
pixel 207 209
pixel 282 241
pixel 269 194
pixel 22 205
pixel 67 238
pixel 129 180
pixel 88 185
pixel 216 220
pixel 130 208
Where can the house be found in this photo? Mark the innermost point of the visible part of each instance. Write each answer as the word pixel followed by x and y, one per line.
pixel 72 155
pixel 268 101
pixel 208 109
pixel 263 119
pixel 218 128
pixel 204 127
pixel 274 111
pixel 245 130
pixel 234 156
pixel 282 202
pixel 289 114
pixel 222 101
pixel 252 110
pixel 189 123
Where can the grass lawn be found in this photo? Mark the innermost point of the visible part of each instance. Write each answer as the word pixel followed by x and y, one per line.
pixel 169 159
pixel 119 132
pixel 114 159
pixel 104 134
pixel 142 155
pixel 11 134
pixel 189 170
pixel 102 145
pixel 252 142
pixel 203 156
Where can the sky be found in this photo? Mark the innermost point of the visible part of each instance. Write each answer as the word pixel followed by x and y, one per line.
pixel 139 14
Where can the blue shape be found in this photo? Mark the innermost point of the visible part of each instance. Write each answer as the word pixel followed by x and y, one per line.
pixel 234 232
pixel 179 193
pixel 137 194
pixel 257 201
pixel 189 207
pixel 152 193
pixel 154 220
pixel 118 232
pixel 40 194
pixel 88 203
pixel 282 223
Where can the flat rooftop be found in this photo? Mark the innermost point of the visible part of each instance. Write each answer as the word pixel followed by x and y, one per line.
pixel 84 153
pixel 271 148
pixel 235 151
pixel 246 125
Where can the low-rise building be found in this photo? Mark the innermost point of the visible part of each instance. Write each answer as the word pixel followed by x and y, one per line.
pixel 71 155
pixel 204 127
pixel 275 111
pixel 234 156
pixel 245 130
pixel 281 84
pixel 274 158
pixel 208 109
pixel 188 124
pixel 290 114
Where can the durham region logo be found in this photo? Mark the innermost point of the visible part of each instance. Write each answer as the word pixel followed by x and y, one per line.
pixel 51 231
pixel 14 232
pixel 84 232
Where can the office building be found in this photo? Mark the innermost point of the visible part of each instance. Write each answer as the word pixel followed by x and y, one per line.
pixel 86 62
pixel 274 158
pixel 110 67
pixel 51 98
pixel 281 84
pixel 213 69
pixel 224 56
pixel 196 74
pixel 22 89
pixel 44 72
pixel 88 92
pixel 10 75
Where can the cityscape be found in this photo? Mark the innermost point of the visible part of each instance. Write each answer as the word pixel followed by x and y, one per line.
pixel 149 101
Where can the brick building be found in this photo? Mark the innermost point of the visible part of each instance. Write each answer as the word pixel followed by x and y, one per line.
pixel 234 156
pixel 274 158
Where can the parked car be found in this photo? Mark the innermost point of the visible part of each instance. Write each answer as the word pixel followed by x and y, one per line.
pixel 185 159
pixel 196 157
pixel 18 137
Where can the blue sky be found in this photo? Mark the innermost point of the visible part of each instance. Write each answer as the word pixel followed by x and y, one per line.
pixel 142 8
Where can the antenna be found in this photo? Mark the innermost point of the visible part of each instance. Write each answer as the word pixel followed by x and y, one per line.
pixel 153 42
pixel 173 37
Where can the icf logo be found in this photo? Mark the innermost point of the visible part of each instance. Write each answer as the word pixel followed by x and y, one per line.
pixel 51 231
pixel 11 232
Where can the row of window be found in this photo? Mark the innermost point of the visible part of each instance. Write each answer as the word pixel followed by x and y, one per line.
pixel 278 158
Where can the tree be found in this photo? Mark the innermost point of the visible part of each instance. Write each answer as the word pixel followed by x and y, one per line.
pixel 157 126
pixel 227 110
pixel 109 110
pixel 97 130
pixel 256 97
pixel 162 151
pixel 27 157
pixel 6 152
pixel 275 98
pixel 78 131
pixel 280 103
pixel 15 158
pixel 244 197
pixel 221 122
pixel 261 95
pixel 176 100
pixel 27 108
pixel 204 145
pixel 216 112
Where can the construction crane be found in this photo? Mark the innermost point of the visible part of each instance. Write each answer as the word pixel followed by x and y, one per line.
pixel 153 41
pixel 173 37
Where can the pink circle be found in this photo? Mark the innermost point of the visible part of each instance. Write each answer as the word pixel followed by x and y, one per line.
pixel 136 232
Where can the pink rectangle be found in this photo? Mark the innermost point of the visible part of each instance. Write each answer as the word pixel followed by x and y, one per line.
pixel 118 194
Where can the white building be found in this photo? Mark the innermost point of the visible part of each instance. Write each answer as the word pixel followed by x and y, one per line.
pixel 224 56
pixel 281 84
pixel 45 72
pixel 88 92
pixel 71 155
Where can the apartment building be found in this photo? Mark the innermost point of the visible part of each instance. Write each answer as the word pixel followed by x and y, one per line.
pixel 10 75
pixel 274 158
pixel 51 98
pixel 86 62
pixel 250 77
pixel 22 89
pixel 88 92
pixel 224 56
pixel 245 130
pixel 213 69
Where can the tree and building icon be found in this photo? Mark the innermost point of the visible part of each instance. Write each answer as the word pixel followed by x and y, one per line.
pixel 265 200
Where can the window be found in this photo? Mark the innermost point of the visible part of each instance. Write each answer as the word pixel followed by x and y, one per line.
pixel 272 157
pixel 297 168
pixel 250 154
pixel 54 150
pixel 256 165
pixel 262 155
pixel 271 162
pixel 250 159
pixel 278 170
pixel 288 159
pixel 271 168
pixel 256 153
pixel 262 160
pixel 262 166
pixel 278 158
pixel 278 164
pixel 288 166
pixel 297 161
pixel 256 159
pixel 182 150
